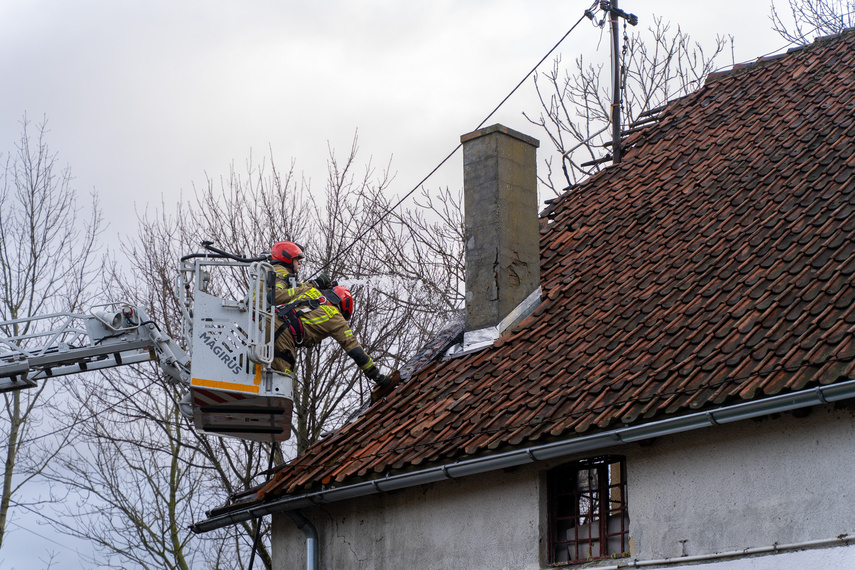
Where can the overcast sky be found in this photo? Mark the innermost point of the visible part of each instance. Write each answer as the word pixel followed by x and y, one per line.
pixel 144 98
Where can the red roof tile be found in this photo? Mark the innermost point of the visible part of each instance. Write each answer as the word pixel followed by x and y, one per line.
pixel 713 265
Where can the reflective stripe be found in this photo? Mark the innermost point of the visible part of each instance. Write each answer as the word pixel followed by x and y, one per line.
pixel 367 365
pixel 230 386
pixel 310 294
pixel 329 312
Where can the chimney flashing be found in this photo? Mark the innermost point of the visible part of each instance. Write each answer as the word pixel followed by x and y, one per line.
pixel 474 341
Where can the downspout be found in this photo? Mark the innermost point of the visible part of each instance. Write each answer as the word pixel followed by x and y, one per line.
pixel 311 538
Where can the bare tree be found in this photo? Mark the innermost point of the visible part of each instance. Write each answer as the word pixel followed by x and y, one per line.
pixel 812 18
pixel 132 476
pixel 346 234
pixel 424 249
pixel 129 459
pixel 576 104
pixel 139 460
pixel 47 265
pixel 404 282
pixel 143 471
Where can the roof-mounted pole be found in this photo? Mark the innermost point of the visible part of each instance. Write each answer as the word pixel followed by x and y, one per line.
pixel 614 14
pixel 616 150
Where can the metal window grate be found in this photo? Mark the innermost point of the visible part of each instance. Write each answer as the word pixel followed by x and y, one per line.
pixel 588 517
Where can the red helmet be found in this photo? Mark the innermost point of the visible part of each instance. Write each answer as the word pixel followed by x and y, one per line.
pixel 345 304
pixel 286 251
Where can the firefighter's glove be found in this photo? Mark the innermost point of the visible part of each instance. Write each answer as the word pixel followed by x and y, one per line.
pixel 381 380
pixel 385 385
pixel 322 281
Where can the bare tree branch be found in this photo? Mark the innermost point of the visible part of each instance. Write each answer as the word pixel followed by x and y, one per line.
pixel 811 18
pixel 139 461
pixel 47 265
pixel 575 106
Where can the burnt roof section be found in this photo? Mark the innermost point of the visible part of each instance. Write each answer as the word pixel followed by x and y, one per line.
pixel 714 265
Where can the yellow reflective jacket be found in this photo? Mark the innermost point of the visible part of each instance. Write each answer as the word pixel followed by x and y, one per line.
pixel 325 321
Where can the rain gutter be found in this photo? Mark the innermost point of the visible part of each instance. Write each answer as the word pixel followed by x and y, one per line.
pixel 585 444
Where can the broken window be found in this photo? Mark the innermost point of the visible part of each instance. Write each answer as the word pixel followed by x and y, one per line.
pixel 588 517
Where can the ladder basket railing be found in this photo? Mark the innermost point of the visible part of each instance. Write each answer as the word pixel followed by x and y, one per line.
pixel 261 310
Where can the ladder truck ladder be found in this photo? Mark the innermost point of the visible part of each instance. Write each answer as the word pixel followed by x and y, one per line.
pixel 59 344
pixel 231 388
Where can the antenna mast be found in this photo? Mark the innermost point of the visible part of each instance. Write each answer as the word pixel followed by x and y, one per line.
pixel 614 14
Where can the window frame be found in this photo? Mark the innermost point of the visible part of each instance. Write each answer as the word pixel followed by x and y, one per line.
pixel 577 506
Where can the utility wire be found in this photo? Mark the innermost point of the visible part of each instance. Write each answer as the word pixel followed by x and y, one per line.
pixel 383 216
pixel 454 151
pixel 46 517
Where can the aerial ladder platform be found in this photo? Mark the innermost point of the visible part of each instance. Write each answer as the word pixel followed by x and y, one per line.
pixel 223 359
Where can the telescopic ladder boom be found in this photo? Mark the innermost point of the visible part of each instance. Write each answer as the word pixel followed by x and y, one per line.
pixel 110 335
pixel 231 388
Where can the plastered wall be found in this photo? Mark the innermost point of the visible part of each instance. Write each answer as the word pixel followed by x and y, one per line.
pixel 752 484
pixel 476 522
pixel 755 483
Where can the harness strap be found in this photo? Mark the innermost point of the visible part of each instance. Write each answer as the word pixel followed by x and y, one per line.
pixel 290 316
pixel 310 304
pixel 285 324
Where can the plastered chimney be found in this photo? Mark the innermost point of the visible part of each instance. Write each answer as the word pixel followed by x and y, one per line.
pixel 501 231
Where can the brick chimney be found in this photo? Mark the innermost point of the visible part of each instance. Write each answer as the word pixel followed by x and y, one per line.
pixel 502 232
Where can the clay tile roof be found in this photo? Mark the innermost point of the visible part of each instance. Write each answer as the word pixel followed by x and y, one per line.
pixel 714 265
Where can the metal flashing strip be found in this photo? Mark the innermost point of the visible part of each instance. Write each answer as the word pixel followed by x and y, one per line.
pixel 712 418
pixel 684 561
pixel 476 340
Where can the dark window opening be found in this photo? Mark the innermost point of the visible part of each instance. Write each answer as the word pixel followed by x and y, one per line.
pixel 588 517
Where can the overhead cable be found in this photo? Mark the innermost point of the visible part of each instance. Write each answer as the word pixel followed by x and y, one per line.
pixel 456 148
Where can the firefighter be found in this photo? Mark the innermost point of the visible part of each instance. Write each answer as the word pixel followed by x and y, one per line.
pixel 305 316
pixel 311 315
pixel 286 257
